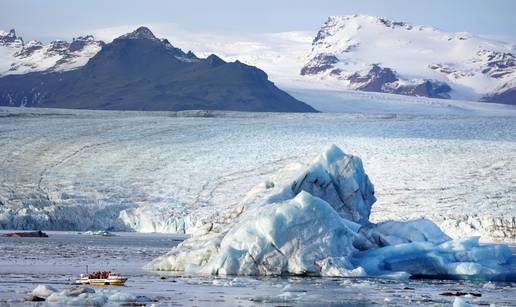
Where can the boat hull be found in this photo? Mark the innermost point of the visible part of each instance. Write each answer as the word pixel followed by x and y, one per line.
pixel 101 282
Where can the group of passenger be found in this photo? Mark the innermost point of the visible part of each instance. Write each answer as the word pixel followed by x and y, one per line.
pixel 99 275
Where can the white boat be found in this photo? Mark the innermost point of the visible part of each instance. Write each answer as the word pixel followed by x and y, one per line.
pixel 101 279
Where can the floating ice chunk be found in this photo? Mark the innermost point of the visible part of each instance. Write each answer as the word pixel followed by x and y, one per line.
pixel 43 291
pixel 101 233
pixel 460 302
pixel 84 299
pixel 121 297
pixel 235 282
pixel 85 296
pixel 455 259
pixel 76 291
pixel 338 267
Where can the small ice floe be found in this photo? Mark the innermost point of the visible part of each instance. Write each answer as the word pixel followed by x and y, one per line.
pixel 40 293
pixel 283 297
pixel 101 233
pixel 460 302
pixel 234 282
pixel 84 296
pixel 489 285
pixel 313 220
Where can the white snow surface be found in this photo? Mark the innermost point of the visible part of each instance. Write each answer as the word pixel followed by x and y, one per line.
pixel 175 172
pixel 283 228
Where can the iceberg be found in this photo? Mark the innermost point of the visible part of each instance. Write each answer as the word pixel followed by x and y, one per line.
pixel 313 220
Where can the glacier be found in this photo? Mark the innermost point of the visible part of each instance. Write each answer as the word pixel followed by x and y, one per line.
pixel 313 220
pixel 130 171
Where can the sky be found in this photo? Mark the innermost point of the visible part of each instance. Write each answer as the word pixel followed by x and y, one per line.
pixel 63 19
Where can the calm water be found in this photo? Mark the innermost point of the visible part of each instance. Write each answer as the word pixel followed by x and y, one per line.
pixel 27 262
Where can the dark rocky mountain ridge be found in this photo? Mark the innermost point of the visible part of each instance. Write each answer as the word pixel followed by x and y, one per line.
pixel 138 71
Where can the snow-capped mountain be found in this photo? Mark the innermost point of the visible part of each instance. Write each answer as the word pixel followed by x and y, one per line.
pixel 19 57
pixel 348 53
pixel 375 54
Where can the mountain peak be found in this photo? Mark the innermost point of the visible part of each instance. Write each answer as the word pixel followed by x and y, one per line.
pixel 356 22
pixel 10 38
pixel 364 20
pixel 214 60
pixel 140 33
pixel 88 38
pixel 12 33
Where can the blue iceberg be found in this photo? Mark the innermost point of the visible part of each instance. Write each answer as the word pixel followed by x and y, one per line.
pixel 313 220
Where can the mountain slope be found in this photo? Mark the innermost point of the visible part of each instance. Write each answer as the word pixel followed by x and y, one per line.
pixel 375 54
pixel 138 71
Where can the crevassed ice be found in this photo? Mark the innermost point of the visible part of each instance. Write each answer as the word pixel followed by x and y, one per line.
pixel 314 220
pixel 156 218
